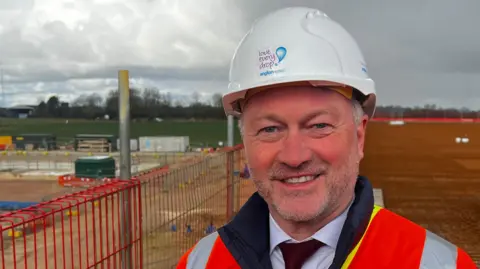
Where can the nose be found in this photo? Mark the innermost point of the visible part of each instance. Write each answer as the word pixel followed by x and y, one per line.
pixel 294 152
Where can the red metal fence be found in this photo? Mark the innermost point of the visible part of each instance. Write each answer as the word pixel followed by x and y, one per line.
pixel 146 222
pixel 79 230
pixel 188 202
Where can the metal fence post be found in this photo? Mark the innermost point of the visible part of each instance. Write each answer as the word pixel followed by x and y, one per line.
pixel 232 188
pixel 124 116
pixel 230 123
pixel 237 180
pixel 230 185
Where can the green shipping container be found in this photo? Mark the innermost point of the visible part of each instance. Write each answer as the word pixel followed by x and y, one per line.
pixel 44 141
pixel 95 167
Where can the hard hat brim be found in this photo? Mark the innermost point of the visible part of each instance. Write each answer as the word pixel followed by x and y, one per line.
pixel 364 86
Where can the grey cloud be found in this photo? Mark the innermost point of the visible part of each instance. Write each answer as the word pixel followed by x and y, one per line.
pixel 16 4
pixel 66 44
pixel 416 51
pixel 14 48
pixel 33 74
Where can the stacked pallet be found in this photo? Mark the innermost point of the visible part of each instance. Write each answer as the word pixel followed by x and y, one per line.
pixel 29 147
pixel 94 145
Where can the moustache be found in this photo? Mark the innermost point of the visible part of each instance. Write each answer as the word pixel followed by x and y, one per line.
pixel 281 171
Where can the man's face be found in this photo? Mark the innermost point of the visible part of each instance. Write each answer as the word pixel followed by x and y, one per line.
pixel 303 134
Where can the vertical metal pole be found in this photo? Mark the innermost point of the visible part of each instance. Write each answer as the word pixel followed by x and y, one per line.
pixel 232 191
pixel 230 186
pixel 230 131
pixel 124 116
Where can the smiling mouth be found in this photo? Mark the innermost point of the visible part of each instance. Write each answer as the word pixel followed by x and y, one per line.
pixel 302 179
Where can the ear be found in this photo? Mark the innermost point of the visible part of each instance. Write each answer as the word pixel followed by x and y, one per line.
pixel 361 130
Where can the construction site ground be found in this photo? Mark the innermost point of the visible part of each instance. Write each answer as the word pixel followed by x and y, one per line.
pixel 32 177
pixel 33 165
pixel 429 178
pixel 424 174
pixel 30 191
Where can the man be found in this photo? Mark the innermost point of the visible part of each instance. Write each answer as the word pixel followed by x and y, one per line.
pixel 301 90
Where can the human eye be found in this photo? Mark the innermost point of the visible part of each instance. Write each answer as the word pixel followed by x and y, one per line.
pixel 268 129
pixel 320 125
pixel 321 129
pixel 270 133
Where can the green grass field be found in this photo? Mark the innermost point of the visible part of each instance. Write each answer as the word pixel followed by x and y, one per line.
pixel 206 132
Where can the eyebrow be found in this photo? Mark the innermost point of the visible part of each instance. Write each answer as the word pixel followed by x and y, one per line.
pixel 320 112
pixel 306 118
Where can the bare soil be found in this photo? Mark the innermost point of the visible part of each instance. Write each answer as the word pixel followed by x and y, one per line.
pixel 424 174
pixel 29 190
pixel 429 178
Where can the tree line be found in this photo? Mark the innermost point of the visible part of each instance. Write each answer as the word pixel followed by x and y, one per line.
pixel 144 104
pixel 151 104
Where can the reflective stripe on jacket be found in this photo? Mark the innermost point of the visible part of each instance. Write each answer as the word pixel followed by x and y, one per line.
pixel 387 240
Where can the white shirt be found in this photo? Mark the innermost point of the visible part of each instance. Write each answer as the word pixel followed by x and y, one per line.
pixel 321 259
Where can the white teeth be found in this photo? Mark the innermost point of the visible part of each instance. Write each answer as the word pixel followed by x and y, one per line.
pixel 299 179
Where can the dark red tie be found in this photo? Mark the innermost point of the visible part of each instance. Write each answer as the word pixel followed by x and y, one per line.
pixel 295 254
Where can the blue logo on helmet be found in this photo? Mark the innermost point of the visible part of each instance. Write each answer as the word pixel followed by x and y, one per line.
pixel 269 59
pixel 281 52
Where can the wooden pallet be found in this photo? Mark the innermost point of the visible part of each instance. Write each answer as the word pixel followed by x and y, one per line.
pixel 94 145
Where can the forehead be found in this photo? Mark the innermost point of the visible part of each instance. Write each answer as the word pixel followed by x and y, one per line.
pixel 295 100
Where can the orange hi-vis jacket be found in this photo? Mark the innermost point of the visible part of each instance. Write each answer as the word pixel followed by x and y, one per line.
pixel 372 238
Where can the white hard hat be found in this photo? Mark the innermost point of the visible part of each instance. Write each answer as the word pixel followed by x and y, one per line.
pixel 298 44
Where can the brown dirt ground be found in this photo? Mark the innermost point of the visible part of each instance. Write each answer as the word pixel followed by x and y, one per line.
pixel 428 178
pixel 195 195
pixel 424 174
pixel 82 238
pixel 28 190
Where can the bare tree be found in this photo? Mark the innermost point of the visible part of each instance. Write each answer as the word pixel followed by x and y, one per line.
pixel 217 100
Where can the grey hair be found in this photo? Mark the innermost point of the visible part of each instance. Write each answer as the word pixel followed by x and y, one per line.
pixel 358 113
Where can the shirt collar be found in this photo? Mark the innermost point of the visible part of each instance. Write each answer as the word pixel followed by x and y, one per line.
pixel 328 235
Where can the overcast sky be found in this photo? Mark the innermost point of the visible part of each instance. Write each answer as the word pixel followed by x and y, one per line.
pixel 417 51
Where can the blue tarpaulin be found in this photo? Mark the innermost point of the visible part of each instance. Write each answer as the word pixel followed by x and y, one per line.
pixel 15 205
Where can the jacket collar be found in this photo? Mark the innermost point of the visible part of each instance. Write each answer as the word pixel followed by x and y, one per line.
pixel 251 226
pixel 328 234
